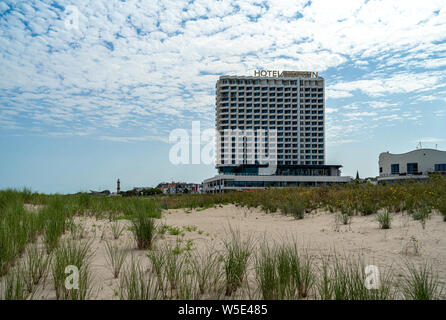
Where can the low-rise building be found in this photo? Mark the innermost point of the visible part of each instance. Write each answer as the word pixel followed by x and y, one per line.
pixel 249 178
pixel 413 165
pixel 180 187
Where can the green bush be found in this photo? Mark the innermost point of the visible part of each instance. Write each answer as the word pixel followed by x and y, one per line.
pixel 144 231
pixel 422 214
pixel 421 283
pixel 384 219
pixel 442 208
pixel 74 254
pixel 236 259
pixel 135 284
pixel 294 207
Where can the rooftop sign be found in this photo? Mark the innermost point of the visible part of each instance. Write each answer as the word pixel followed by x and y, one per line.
pixel 285 74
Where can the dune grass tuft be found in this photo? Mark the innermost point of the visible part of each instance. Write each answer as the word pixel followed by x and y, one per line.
pixel 115 258
pixel 68 254
pixel 135 284
pixel 384 219
pixel 421 283
pixel 144 230
pixel 238 252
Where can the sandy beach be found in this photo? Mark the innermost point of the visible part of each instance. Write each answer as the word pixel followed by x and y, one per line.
pixel 318 233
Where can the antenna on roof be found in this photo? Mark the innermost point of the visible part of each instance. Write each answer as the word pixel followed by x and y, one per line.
pixel 419 146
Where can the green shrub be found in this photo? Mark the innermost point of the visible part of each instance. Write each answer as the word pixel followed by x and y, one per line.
pixel 135 284
pixel 421 283
pixel 345 216
pixel 36 266
pixel 345 280
pixel 117 229
pixel 115 258
pixel 368 207
pixel 295 207
pixel 422 214
pixel 236 259
pixel 75 254
pixel 158 260
pixel 13 286
pixel 442 208
pixel 144 231
pixel 207 269
pixel 283 273
pixel 17 228
pixel 384 219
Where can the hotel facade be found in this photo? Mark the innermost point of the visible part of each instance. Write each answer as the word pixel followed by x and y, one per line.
pixel 271 132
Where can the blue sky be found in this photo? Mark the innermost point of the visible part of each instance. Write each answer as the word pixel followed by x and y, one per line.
pixel 82 106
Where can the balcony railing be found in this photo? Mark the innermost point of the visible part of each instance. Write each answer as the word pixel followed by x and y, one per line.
pixel 402 174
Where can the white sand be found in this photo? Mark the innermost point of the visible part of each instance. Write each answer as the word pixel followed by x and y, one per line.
pixel 317 232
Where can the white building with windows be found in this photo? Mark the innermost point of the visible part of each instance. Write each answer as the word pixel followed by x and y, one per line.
pixel 293 106
pixel 274 120
pixel 414 165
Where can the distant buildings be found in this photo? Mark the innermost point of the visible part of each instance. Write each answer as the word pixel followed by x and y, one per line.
pixel 100 193
pixel 180 187
pixel 272 132
pixel 141 191
pixel 413 165
pixel 162 188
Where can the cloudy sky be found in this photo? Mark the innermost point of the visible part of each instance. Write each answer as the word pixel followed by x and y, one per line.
pixel 90 90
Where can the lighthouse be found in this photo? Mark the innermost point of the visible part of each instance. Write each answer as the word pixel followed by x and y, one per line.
pixel 118 188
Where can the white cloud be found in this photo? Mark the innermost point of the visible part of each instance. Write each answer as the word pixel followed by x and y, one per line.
pixel 360 114
pixel 334 94
pixel 396 83
pixel 134 139
pixel 428 140
pixel 381 104
pixel 148 66
pixel 352 106
pixel 3 7
pixel 333 143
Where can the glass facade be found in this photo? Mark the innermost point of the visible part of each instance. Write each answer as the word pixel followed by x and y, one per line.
pixel 304 170
pixel 266 184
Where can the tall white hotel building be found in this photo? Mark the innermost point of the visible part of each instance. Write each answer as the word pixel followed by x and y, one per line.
pixel 271 132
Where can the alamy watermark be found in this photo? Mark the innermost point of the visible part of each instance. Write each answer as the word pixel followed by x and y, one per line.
pixel 225 147
pixel 72 281
pixel 72 17
pixel 371 277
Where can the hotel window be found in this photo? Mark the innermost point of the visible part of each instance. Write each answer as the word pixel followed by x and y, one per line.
pixel 395 168
pixel 412 168
pixel 440 167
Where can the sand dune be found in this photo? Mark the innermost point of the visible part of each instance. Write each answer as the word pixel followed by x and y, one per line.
pixel 317 232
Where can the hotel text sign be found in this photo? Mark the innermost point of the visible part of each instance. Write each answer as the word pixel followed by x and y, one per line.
pixel 285 74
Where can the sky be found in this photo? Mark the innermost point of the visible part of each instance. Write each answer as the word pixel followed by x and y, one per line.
pixel 91 90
